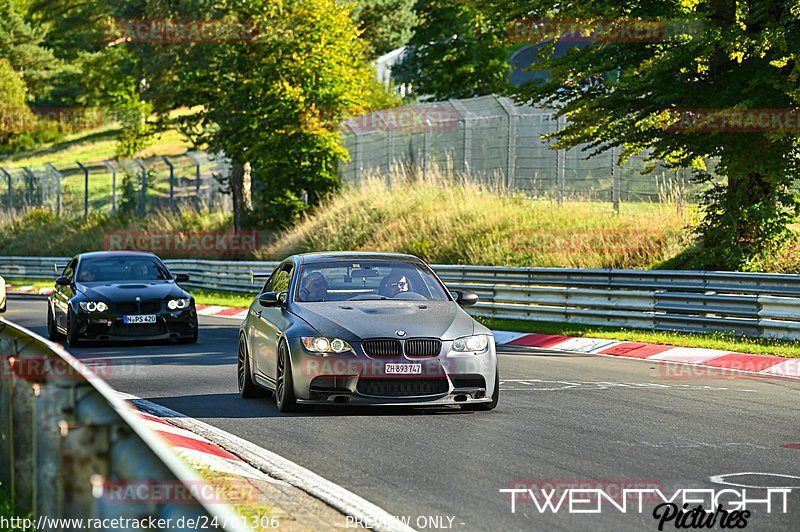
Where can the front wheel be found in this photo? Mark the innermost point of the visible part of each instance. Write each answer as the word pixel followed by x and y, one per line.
pixel 52 330
pixel 72 329
pixel 284 393
pixel 482 407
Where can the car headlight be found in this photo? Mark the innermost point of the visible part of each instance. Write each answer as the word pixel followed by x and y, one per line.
pixel 92 306
pixel 471 344
pixel 321 344
pixel 176 304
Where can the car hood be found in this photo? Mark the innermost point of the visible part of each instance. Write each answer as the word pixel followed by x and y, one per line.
pixel 128 291
pixel 353 321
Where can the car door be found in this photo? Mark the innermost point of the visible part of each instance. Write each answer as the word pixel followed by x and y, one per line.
pixel 63 294
pixel 270 322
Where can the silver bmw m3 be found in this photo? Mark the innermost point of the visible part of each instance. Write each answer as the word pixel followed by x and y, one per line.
pixel 364 328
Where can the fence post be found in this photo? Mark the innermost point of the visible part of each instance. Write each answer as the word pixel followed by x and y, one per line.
pixel 357 159
pixel 113 186
pixel 171 182
pixel 191 156
pixel 511 154
pixel 30 185
pixel 389 145
pixel 58 187
pixel 679 199
pixel 10 198
pixel 615 174
pixel 561 164
pixel 85 189
pixel 144 185
pixel 426 140
pixel 462 110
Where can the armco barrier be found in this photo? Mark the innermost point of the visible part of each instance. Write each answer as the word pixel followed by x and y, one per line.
pixel 760 305
pixel 67 439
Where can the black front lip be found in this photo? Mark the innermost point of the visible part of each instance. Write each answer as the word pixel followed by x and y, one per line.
pixel 167 319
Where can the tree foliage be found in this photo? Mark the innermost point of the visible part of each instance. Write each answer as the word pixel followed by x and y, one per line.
pixel 276 102
pixel 386 24
pixel 630 94
pixel 457 51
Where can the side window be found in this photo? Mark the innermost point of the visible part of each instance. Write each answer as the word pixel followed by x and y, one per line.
pixel 69 271
pixel 279 281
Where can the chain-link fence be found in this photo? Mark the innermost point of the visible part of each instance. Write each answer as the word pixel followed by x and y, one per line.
pixel 138 185
pixel 490 139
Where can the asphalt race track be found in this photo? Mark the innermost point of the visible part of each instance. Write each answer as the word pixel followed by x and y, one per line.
pixel 596 422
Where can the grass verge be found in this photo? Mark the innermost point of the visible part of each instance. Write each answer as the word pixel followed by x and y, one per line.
pixel 725 342
pixel 13 519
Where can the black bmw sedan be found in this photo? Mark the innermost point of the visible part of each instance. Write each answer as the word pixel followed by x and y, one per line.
pixel 120 295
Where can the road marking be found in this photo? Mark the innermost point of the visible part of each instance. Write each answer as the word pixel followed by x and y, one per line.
pixel 721 479
pixel 538 385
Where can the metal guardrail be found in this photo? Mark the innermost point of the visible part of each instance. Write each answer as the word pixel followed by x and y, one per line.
pixel 760 305
pixel 68 440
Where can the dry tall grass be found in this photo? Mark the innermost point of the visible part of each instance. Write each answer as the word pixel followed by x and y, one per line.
pixel 446 219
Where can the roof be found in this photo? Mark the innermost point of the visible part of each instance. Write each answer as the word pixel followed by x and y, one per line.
pixel 354 255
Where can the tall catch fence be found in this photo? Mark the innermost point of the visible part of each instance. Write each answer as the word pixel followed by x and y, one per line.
pixel 494 141
pixel 140 185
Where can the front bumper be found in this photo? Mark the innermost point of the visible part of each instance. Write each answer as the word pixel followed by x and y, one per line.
pixel 177 324
pixel 355 378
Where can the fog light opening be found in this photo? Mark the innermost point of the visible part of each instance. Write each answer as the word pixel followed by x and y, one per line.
pixel 341 399
pixel 460 398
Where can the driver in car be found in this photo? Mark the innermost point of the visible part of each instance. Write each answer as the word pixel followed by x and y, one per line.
pixel 315 288
pixel 393 284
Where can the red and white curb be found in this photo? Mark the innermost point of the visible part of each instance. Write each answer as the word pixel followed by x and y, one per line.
pixel 197 450
pixel 222 312
pixel 45 290
pixel 192 437
pixel 711 358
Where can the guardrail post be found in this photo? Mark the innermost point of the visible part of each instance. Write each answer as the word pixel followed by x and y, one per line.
pixel 615 173
pixel 58 187
pixel 85 189
pixel 171 182
pixel 113 185
pixel 50 403
pixel 9 200
pixel 144 185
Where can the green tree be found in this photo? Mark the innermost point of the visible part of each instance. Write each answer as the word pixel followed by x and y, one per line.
pixel 276 102
pixel 386 24
pixel 457 52
pixel 12 103
pixel 22 44
pixel 745 57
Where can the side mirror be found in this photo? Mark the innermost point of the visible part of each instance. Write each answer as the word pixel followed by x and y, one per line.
pixel 63 281
pixel 465 299
pixel 271 299
pixel 181 277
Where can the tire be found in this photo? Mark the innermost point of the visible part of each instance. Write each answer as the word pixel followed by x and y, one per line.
pixel 485 407
pixel 72 330
pixel 52 330
pixel 247 388
pixel 192 339
pixel 284 393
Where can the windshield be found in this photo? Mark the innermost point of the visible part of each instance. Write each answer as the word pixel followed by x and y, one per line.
pixel 368 280
pixel 103 270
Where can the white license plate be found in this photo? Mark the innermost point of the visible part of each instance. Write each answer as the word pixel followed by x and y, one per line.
pixel 142 318
pixel 403 369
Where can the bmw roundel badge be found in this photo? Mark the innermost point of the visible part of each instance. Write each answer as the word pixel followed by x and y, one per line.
pixel 400 333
